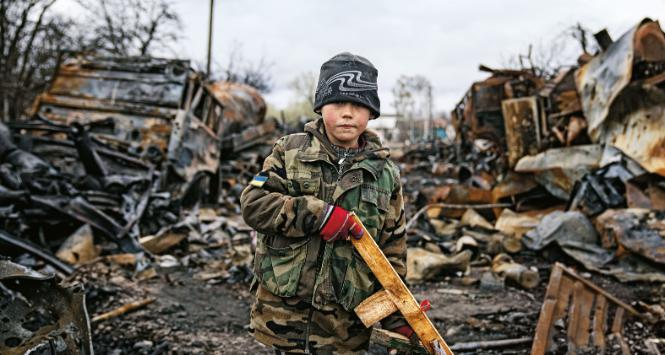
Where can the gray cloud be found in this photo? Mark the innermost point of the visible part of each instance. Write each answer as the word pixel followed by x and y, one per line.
pixel 443 40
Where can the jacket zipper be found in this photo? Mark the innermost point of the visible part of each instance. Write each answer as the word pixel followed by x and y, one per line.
pixel 340 166
pixel 339 169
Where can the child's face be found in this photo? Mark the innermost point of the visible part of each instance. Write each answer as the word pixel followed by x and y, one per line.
pixel 345 122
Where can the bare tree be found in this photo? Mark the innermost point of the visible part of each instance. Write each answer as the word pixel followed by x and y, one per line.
pixel 583 36
pixel 30 39
pixel 412 100
pixel 240 70
pixel 257 74
pixel 131 27
pixel 304 88
pixel 411 96
pixel 403 100
pixel 546 58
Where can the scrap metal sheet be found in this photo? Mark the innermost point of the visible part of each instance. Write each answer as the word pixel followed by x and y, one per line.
pixel 601 80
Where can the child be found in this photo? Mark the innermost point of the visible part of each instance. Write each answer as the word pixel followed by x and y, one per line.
pixel 308 277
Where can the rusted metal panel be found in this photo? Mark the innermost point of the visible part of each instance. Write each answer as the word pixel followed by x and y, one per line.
pixel 138 85
pixel 39 316
pixel 153 92
pixel 522 124
pixel 633 230
pixel 558 169
pixel 478 114
pixel 192 148
pixel 145 108
pixel 138 96
pixel 171 67
pixel 143 129
pixel 622 105
pixel 248 137
pixel 601 80
pixel 172 71
pixel 636 126
pixel 46 104
pixel 243 106
pixel 488 94
pixel 486 120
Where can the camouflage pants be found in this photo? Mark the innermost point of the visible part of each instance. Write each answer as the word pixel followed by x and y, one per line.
pixel 294 326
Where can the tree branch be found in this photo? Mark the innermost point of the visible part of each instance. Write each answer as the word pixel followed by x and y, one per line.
pixel 36 28
pixel 12 54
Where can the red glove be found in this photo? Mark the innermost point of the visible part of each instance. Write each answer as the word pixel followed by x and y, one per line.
pixel 340 225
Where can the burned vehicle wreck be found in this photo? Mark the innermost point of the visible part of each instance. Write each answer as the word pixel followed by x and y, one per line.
pixel 154 110
pixel 119 144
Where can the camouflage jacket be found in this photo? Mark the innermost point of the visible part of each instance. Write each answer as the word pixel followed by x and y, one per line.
pixel 287 211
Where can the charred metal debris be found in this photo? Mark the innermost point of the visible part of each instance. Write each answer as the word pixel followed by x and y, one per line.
pixel 566 169
pixel 122 158
pixel 121 145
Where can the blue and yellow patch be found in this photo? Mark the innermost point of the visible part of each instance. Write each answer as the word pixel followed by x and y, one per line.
pixel 258 181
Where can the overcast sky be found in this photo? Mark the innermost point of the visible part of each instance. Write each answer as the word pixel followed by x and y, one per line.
pixel 442 40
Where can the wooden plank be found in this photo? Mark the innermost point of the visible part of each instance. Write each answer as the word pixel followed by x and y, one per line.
pixel 544 326
pixel 543 329
pixel 617 324
pixel 402 297
pixel 584 320
pixel 574 316
pixel 375 307
pixel 562 304
pixel 565 291
pixel 600 322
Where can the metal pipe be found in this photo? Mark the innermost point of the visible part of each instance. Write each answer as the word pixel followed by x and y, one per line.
pixel 37 251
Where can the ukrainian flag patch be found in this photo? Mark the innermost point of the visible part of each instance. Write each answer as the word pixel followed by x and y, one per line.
pixel 258 181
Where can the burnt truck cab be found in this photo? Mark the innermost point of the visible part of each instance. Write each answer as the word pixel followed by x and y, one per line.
pixel 160 112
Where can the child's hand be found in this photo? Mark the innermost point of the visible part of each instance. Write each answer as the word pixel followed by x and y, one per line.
pixel 340 225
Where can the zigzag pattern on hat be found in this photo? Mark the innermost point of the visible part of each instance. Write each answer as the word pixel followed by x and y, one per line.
pixel 351 80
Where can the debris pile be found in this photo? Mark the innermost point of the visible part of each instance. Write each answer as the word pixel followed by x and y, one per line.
pixel 117 149
pixel 135 159
pixel 566 169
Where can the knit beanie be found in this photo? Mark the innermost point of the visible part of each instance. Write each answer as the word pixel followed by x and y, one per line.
pixel 348 77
